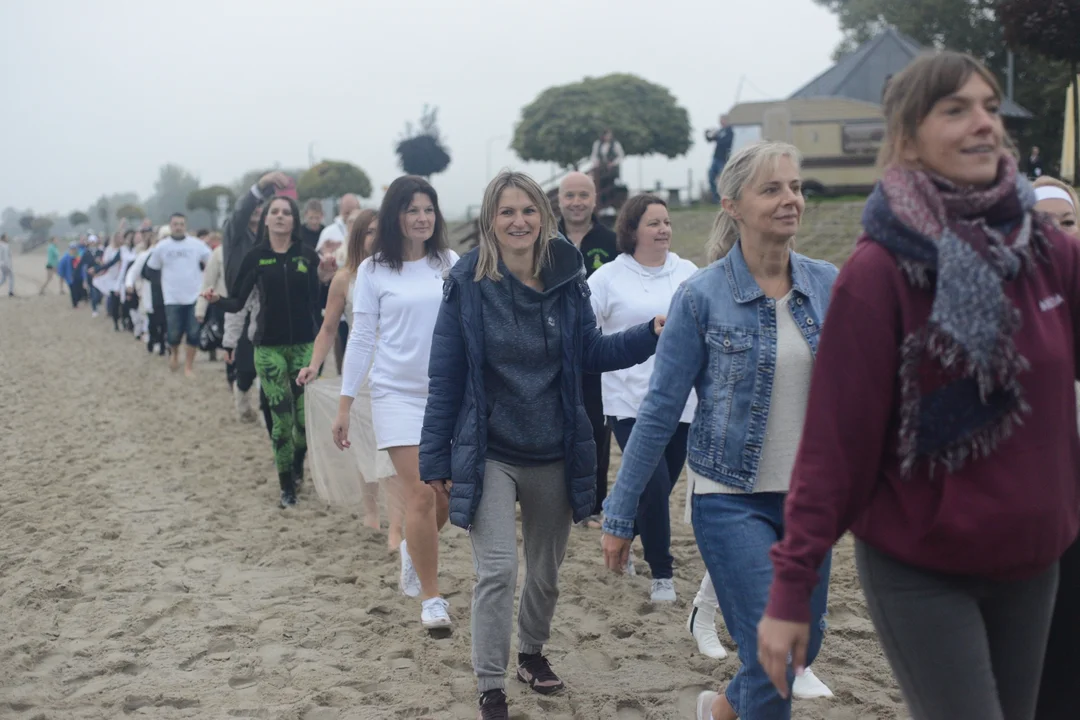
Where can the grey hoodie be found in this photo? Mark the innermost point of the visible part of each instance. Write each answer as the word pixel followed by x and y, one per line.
pixel 523 363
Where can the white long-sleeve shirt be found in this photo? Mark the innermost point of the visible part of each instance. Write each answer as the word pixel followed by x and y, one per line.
pixel 394 315
pixel 213 277
pixel 626 293
pixel 5 255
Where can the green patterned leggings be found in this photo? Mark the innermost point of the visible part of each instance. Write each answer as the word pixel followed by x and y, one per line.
pixel 278 367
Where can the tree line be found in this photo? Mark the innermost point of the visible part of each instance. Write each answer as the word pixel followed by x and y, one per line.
pixel 562 123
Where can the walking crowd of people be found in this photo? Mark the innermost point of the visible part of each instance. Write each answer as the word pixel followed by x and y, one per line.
pixel 922 397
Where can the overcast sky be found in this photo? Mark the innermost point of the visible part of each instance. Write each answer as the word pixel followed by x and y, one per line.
pixel 98 95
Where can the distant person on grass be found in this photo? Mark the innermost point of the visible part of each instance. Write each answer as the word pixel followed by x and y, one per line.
pixel 596 242
pixel 181 259
pixel 724 136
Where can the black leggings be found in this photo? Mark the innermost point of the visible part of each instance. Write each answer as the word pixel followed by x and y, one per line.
pixel 962 648
pixel 593 397
pixel 113 305
pixel 1057 694
pixel 157 329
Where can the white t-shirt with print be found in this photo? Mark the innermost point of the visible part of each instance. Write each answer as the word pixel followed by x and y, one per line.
pixel 180 263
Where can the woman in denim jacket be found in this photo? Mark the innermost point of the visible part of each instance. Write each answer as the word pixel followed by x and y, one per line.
pixel 742 333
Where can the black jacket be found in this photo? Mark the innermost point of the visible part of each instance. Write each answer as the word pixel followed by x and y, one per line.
pixel 288 283
pixel 598 247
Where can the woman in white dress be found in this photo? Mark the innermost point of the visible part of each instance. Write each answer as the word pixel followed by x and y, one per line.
pixel 374 465
pixel 398 293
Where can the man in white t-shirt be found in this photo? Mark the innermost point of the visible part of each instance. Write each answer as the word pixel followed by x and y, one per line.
pixel 180 258
pixel 335 231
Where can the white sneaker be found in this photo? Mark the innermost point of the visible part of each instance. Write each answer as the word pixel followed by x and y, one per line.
pixel 704 704
pixel 94 313
pixel 702 625
pixel 629 569
pixel 410 581
pixel 434 615
pixel 809 687
pixel 663 590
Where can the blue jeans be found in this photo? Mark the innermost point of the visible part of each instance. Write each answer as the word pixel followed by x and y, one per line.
pixel 734 534
pixel 180 320
pixel 95 297
pixel 715 168
pixel 653 522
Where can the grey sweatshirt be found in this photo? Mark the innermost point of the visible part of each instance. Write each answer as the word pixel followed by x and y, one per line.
pixel 523 367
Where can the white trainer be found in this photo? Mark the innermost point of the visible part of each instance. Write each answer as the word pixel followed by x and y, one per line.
pixel 663 590
pixel 410 581
pixel 809 687
pixel 434 614
pixel 702 625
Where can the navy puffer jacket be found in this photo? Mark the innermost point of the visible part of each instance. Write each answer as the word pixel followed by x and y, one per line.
pixel 453 444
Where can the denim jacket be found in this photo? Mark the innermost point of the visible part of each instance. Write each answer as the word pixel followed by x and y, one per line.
pixel 719 339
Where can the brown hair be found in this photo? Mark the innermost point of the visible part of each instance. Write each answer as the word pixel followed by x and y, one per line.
pixel 313 204
pixel 912 93
pixel 488 264
pixel 356 254
pixel 630 215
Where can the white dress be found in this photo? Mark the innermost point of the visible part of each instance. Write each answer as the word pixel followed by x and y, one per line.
pixel 338 476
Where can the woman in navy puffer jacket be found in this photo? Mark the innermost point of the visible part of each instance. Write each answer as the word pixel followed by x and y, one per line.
pixel 505 421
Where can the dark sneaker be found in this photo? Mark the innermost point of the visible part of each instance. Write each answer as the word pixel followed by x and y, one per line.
pixel 288 489
pixel 536 672
pixel 493 706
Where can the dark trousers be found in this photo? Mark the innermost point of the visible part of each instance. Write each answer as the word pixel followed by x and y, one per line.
pixel 653 522
pixel 95 297
pixel 1057 695
pixel 157 329
pixel 593 396
pixel 962 648
pixel 76 294
pixel 112 305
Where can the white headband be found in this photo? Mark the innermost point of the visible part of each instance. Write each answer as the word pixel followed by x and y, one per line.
pixel 1051 192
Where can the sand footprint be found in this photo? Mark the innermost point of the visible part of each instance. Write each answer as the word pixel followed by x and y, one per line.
pixel 400 659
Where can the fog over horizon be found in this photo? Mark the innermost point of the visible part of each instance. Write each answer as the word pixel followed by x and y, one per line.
pixel 101 95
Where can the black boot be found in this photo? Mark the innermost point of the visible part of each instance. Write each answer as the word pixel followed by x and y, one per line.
pixel 298 467
pixel 288 489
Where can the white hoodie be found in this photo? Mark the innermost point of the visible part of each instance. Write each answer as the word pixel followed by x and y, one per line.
pixel 626 293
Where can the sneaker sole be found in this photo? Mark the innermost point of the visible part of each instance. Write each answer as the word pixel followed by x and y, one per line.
pixel 541 690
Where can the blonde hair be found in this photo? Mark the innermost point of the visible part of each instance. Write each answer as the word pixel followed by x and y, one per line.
pixel 1047 181
pixel 488 264
pixel 741 168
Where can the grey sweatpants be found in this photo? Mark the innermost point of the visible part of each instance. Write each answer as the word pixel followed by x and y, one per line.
pixel 545 527
pixel 961 648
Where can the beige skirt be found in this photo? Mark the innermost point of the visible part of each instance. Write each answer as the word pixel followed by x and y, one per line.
pixel 339 476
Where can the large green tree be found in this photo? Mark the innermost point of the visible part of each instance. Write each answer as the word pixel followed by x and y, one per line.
pixel 77 218
pixel 421 151
pixel 130 212
pixel 206 199
pixel 970 26
pixel 561 124
pixel 1050 28
pixel 331 179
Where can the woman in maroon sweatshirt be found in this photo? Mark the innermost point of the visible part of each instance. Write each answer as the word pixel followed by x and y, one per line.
pixel 941 426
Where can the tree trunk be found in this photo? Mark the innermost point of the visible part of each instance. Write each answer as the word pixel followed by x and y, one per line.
pixel 1076 123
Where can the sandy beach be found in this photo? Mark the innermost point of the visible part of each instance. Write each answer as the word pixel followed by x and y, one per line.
pixel 145 569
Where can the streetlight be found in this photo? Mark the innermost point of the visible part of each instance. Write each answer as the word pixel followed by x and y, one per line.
pixel 487 166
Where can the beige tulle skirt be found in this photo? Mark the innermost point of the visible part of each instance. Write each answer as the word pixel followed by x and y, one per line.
pixel 339 476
